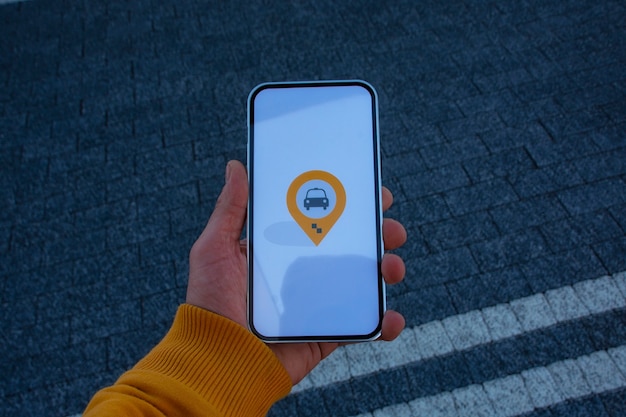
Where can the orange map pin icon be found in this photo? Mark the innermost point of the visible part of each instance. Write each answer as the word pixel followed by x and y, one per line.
pixel 316 228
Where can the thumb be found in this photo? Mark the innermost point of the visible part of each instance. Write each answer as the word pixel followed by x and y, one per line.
pixel 229 214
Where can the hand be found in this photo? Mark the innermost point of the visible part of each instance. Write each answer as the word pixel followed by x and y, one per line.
pixel 218 271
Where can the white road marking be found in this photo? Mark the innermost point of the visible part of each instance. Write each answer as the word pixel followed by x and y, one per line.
pixel 533 389
pixel 465 331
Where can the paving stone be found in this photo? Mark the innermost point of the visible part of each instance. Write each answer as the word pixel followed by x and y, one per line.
pixel 599 295
pixel 285 407
pixel 339 398
pixel 305 384
pixel 570 130
pixel 158 310
pixel 404 349
pixel 566 304
pixel 533 312
pixel 416 247
pixel 565 268
pixel 619 214
pixel 438 110
pixel 620 281
pixel 471 293
pixel 434 181
pixel 600 372
pixel 503 164
pixel 423 380
pixel 573 232
pixel 394 386
pixel 618 355
pixel 442 267
pixel 441 405
pixel 448 153
pixel 368 393
pixel 505 284
pixel 433 340
pixel 472 401
pixel 541 387
pixel 465 129
pixel 310 403
pixel 466 330
pixel 501 321
pixel 569 379
pixel 602 166
pixel 480 196
pixel 333 369
pixel 607 330
pixel 482 364
pixel 403 164
pixel 595 196
pixel 426 210
pixel 125 349
pixel 425 305
pixel 501 80
pixel 359 357
pixel 454 372
pixel 543 347
pixel 611 253
pixel 459 231
pixel 411 122
pixel 508 396
pixel 590 407
pixel 25 341
pixel 399 410
pixel 528 213
pixel 104 321
pixel 545 180
pixel 509 250
pixel 613 403
pixel 608 137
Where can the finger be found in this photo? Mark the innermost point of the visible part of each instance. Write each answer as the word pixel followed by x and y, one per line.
pixel 392 268
pixel 227 219
pixel 393 324
pixel 387 198
pixel 394 234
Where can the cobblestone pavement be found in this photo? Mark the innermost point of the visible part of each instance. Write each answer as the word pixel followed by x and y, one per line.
pixel 504 137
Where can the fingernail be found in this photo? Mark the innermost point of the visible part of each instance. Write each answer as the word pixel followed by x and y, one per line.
pixel 228 169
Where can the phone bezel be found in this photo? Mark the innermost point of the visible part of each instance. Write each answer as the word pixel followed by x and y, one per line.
pixel 379 217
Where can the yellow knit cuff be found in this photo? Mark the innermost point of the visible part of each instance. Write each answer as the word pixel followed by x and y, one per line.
pixel 220 361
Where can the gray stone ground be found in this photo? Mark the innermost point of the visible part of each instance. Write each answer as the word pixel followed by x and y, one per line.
pixel 504 138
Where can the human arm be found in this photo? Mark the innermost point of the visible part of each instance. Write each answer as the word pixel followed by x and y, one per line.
pixel 205 366
pixel 209 363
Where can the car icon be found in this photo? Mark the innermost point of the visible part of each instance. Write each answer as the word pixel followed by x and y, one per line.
pixel 316 197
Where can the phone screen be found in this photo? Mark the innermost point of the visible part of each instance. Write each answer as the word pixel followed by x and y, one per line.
pixel 314 219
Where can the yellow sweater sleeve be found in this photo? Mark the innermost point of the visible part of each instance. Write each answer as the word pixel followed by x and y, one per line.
pixel 206 365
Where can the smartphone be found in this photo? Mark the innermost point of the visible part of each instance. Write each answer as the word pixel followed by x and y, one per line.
pixel 314 212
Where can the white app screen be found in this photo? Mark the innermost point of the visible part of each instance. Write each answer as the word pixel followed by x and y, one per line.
pixel 315 241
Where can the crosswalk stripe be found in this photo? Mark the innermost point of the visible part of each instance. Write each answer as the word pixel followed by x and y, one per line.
pixel 464 331
pixel 532 389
